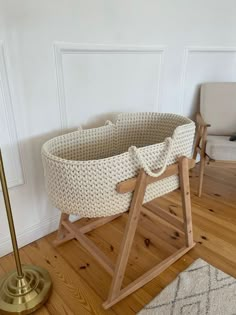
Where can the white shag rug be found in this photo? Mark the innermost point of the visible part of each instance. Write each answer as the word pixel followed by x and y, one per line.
pixel 199 290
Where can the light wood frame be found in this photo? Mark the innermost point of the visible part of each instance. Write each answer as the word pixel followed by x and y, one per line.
pixel 200 147
pixel 67 230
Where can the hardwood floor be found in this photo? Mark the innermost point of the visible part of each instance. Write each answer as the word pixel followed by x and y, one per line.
pixel 81 285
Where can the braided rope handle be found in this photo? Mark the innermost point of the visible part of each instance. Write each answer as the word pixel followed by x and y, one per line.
pixel 143 164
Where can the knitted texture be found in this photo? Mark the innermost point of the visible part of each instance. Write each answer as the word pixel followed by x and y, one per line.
pixel 82 168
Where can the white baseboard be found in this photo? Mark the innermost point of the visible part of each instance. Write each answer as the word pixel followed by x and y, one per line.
pixel 30 234
pixel 33 233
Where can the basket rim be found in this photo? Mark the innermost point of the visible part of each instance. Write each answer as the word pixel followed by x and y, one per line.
pixel 57 159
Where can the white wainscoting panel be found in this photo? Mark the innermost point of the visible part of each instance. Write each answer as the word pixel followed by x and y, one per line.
pixel 100 79
pixel 205 64
pixel 8 136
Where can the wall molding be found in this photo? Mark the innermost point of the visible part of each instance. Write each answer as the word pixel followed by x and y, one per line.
pixel 194 50
pixel 7 107
pixel 62 48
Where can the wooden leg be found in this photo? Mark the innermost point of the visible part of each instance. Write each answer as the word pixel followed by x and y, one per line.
pixel 186 200
pixel 128 237
pixel 201 175
pixel 62 233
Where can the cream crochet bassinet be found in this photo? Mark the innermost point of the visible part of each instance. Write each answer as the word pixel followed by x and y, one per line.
pixel 82 168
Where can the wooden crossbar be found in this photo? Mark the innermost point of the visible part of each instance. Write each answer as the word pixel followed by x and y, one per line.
pixel 91 247
pixel 84 229
pixel 67 238
pixel 97 223
pixel 129 184
pixel 148 276
pixel 153 210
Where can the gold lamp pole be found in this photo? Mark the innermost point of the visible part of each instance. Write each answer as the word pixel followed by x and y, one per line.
pixel 27 288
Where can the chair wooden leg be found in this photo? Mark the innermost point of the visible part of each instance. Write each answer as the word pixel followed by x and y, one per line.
pixel 201 175
pixel 186 200
pixel 131 226
pixel 202 160
pixel 195 154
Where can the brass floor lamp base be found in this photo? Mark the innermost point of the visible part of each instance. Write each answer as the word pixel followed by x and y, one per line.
pixel 24 295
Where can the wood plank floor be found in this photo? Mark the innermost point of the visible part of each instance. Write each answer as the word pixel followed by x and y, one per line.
pixel 81 285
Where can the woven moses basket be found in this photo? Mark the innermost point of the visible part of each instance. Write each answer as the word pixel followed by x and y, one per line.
pixel 82 168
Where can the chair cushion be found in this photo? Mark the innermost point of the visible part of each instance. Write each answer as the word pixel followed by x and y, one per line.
pixel 220 148
pixel 218 107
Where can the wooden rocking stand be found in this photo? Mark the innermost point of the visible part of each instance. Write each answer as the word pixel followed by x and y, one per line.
pixel 68 231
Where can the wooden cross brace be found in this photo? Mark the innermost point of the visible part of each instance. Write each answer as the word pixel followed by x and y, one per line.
pixel 67 230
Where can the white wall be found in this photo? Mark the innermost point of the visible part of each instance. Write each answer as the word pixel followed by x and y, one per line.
pixel 64 63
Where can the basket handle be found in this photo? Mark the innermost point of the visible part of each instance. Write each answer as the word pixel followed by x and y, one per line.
pixel 143 164
pixel 108 123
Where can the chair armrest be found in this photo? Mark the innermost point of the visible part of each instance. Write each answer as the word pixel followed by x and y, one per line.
pixel 201 136
pixel 200 121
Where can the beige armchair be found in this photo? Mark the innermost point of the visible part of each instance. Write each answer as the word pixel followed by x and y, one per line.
pixel 216 122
